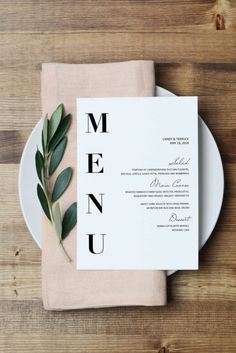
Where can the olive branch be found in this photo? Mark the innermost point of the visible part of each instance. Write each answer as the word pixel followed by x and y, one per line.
pixel 54 141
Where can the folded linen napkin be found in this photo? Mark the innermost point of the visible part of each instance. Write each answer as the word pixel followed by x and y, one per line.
pixel 63 286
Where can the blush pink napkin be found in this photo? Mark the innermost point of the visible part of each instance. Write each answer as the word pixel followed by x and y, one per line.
pixel 63 286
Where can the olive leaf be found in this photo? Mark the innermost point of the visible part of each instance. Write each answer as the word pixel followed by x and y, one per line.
pixel 45 133
pixel 61 131
pixel 61 183
pixel 57 155
pixel 69 220
pixel 57 220
pixel 55 121
pixel 43 201
pixel 39 162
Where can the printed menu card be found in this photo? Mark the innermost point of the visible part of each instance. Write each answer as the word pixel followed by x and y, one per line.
pixel 137 183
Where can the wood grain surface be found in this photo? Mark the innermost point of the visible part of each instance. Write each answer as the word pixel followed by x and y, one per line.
pixel 193 43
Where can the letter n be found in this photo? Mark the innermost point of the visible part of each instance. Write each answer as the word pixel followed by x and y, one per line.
pixel 98 204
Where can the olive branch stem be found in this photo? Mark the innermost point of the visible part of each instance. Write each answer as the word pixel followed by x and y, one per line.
pixel 54 142
pixel 47 194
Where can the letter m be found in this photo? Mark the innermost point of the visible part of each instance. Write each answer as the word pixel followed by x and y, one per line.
pixel 91 122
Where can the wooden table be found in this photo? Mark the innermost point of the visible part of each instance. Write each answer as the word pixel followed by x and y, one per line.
pixel 194 46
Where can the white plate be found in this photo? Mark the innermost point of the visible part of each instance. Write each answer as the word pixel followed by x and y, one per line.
pixel 211 182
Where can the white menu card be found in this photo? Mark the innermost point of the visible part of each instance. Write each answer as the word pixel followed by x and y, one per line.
pixel 137 183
